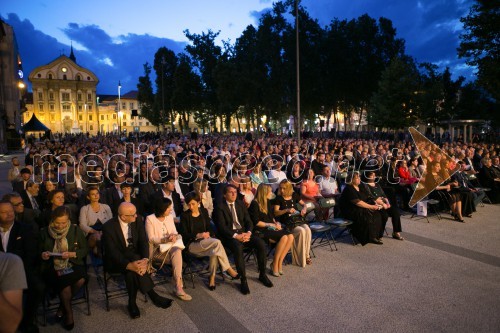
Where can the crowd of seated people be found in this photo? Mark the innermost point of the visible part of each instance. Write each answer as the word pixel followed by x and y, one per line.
pixel 151 197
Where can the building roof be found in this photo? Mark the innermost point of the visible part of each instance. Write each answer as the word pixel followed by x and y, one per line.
pixel 130 95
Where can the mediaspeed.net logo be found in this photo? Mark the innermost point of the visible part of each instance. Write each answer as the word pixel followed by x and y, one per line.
pixel 439 167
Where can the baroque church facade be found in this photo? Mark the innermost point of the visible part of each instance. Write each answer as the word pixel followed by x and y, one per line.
pixel 64 96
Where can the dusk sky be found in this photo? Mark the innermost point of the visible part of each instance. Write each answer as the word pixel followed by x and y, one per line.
pixel 114 39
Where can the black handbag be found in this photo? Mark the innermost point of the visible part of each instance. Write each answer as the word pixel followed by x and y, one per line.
pixel 294 221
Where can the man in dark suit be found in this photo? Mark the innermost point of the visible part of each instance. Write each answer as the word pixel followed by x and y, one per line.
pixel 168 191
pixel 18 238
pixel 20 185
pixel 113 194
pixel 127 251
pixel 30 196
pixel 234 227
pixel 23 215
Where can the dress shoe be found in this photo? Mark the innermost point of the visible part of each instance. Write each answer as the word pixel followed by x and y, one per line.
pixel 397 236
pixel 265 280
pixel 273 273
pixel 159 301
pixel 244 287
pixel 182 296
pixel 133 311
pixel 376 241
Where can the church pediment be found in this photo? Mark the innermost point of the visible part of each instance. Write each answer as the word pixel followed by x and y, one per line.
pixel 63 68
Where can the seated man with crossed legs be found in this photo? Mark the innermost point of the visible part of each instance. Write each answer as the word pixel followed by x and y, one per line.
pixel 127 251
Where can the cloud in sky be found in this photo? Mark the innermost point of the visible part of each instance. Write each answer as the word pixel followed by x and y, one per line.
pixel 430 28
pixel 108 57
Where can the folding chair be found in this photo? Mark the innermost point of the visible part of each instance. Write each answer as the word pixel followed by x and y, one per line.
pixel 81 297
pixel 321 231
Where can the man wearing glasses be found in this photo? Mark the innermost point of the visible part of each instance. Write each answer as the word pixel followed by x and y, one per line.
pixel 127 251
pixel 22 214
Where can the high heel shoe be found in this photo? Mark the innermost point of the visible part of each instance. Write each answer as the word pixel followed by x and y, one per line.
pixel 459 219
pixel 211 288
pixel 273 273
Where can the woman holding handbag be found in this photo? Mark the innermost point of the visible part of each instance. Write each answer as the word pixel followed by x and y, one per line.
pixel 266 227
pixel 200 239
pixel 63 249
pixel 285 206
pixel 165 243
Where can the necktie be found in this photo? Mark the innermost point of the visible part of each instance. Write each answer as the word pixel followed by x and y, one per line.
pixel 236 225
pixel 129 235
pixel 34 203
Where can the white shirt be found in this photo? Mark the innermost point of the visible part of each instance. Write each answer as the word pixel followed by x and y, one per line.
pixel 275 177
pixel 178 189
pixel 5 237
pixel 327 186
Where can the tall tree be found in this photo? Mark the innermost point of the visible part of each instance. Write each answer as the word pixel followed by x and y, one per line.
pixel 394 104
pixel 165 63
pixel 205 56
pixel 186 94
pixel 480 43
pixel 146 97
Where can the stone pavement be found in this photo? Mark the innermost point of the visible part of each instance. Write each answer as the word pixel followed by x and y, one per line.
pixel 445 277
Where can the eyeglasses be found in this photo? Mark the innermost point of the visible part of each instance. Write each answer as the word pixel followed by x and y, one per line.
pixel 130 215
pixel 18 204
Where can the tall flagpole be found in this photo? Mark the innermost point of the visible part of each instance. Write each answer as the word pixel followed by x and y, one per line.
pixel 298 70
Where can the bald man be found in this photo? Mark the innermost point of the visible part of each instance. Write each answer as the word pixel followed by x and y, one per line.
pixel 127 252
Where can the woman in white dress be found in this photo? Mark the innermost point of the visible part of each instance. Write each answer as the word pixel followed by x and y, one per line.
pixel 160 229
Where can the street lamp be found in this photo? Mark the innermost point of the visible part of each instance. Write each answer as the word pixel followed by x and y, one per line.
pixel 120 115
pixel 98 116
pixel 119 107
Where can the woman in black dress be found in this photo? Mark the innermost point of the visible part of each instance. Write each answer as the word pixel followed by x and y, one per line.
pixel 286 205
pixel 63 248
pixel 265 226
pixel 366 217
pixel 375 192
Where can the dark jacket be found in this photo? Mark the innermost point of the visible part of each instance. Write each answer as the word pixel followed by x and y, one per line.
pixel 116 254
pixel 224 221
pixel 22 242
pixel 186 228
pixel 76 243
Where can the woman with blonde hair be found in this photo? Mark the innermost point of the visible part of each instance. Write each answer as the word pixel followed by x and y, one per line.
pixel 266 227
pixel 285 205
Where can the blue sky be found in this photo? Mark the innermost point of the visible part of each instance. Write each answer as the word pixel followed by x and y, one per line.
pixel 114 39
